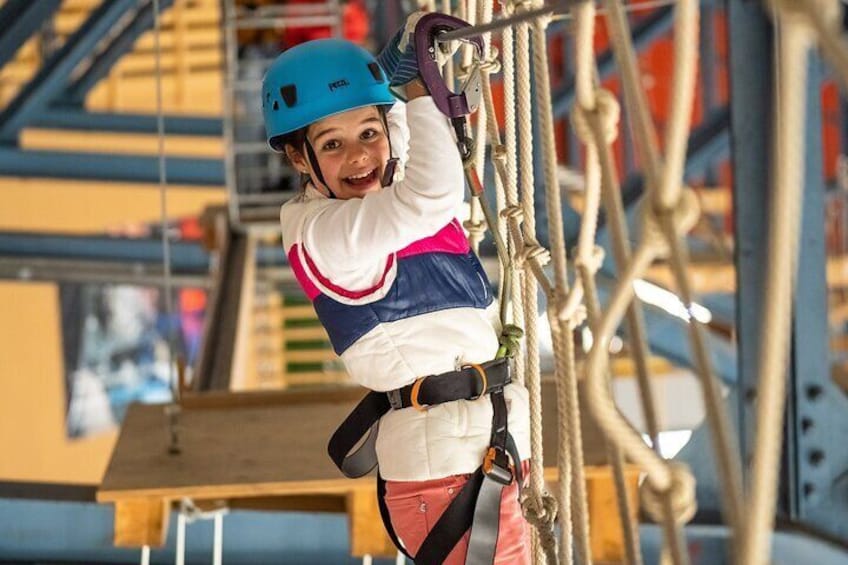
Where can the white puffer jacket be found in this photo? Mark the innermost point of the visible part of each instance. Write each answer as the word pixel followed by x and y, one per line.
pixel 401 295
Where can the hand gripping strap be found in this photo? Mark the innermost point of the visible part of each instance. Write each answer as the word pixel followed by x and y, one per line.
pixel 364 419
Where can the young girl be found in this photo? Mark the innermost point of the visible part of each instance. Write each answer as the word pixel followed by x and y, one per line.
pixel 391 276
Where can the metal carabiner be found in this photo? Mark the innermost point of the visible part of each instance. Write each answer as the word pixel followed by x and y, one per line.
pixel 451 104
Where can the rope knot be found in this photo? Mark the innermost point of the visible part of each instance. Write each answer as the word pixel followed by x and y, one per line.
pixel 193 514
pixel 475 228
pixel 534 252
pixel 492 65
pixel 513 213
pixel 541 513
pixel 510 7
pixel 607 111
pixel 680 493
pixel 684 215
pixel 570 308
pixel 592 261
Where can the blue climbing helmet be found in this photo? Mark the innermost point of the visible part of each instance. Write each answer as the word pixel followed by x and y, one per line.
pixel 317 79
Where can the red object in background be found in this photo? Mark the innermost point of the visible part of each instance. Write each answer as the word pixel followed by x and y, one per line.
pixel 355 25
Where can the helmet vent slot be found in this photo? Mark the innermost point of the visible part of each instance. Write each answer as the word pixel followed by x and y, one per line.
pixel 376 72
pixel 276 105
pixel 289 94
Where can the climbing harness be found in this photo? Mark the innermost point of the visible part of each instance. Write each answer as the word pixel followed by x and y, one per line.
pixel 477 506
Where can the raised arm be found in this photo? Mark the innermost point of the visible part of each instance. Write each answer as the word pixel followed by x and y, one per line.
pixel 347 234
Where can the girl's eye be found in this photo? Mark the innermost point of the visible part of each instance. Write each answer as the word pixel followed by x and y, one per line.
pixel 330 145
pixel 369 134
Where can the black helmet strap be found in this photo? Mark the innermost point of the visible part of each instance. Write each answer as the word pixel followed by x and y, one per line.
pixel 388 170
pixel 313 160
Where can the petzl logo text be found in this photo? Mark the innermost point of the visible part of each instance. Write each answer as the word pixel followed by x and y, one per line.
pixel 338 84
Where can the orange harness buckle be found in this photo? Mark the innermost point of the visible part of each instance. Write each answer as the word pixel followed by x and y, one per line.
pixel 483 378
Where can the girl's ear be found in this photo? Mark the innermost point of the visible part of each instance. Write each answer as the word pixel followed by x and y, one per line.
pixel 297 160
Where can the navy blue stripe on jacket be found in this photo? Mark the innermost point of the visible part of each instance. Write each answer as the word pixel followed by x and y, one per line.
pixel 425 283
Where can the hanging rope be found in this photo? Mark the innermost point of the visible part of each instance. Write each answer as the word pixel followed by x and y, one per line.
pixel 172 411
pixel 793 40
pixel 571 463
pixel 595 119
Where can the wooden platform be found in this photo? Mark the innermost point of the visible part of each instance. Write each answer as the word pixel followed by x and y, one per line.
pixel 268 450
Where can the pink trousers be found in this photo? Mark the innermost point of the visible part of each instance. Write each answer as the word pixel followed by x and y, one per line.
pixel 414 508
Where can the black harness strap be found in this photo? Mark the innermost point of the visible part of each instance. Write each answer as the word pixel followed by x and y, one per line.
pixel 477 506
pixel 362 420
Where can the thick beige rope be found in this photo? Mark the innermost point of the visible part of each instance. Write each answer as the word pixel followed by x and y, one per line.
pixel 619 30
pixel 664 183
pixel 793 41
pixel 534 503
pixel 574 515
pixel 508 153
pixel 597 108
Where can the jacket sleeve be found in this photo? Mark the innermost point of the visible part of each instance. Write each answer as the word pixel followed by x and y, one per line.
pixel 361 231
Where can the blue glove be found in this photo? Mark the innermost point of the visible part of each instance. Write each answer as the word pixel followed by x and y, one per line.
pixel 398 57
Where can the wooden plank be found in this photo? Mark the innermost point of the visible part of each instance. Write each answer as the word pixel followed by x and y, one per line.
pixel 310 356
pixel 141 521
pixel 606 535
pixel 305 334
pixel 306 378
pixel 367 534
pixel 303 311
pixel 259 447
pixel 120 143
pixel 244 358
pixel 226 453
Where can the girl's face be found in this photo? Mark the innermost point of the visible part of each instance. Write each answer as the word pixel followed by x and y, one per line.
pixel 352 148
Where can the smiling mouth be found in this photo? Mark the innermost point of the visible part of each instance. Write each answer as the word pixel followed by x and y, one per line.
pixel 362 180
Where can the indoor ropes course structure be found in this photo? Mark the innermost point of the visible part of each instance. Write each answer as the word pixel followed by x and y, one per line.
pixel 669 210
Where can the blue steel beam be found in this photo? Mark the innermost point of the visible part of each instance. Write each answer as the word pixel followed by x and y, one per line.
pixel 186 257
pixel 644 32
pixel 100 66
pixel 51 77
pixel 817 420
pixel 71 531
pixel 59 117
pixel 103 166
pixel 19 19
pixel 750 89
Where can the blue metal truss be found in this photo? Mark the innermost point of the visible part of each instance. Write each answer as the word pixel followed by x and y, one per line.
pixel 119 45
pixel 74 531
pixel 19 19
pixel 814 478
pixel 51 78
pixel 62 117
pixel 185 257
pixel 108 167
pixel 36 103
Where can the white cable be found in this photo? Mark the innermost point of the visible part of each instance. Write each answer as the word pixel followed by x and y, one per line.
pixel 181 532
pixel 145 555
pixel 218 548
pixel 366 559
pixel 163 200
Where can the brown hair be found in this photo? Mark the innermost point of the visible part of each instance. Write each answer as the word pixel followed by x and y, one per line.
pixel 296 139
